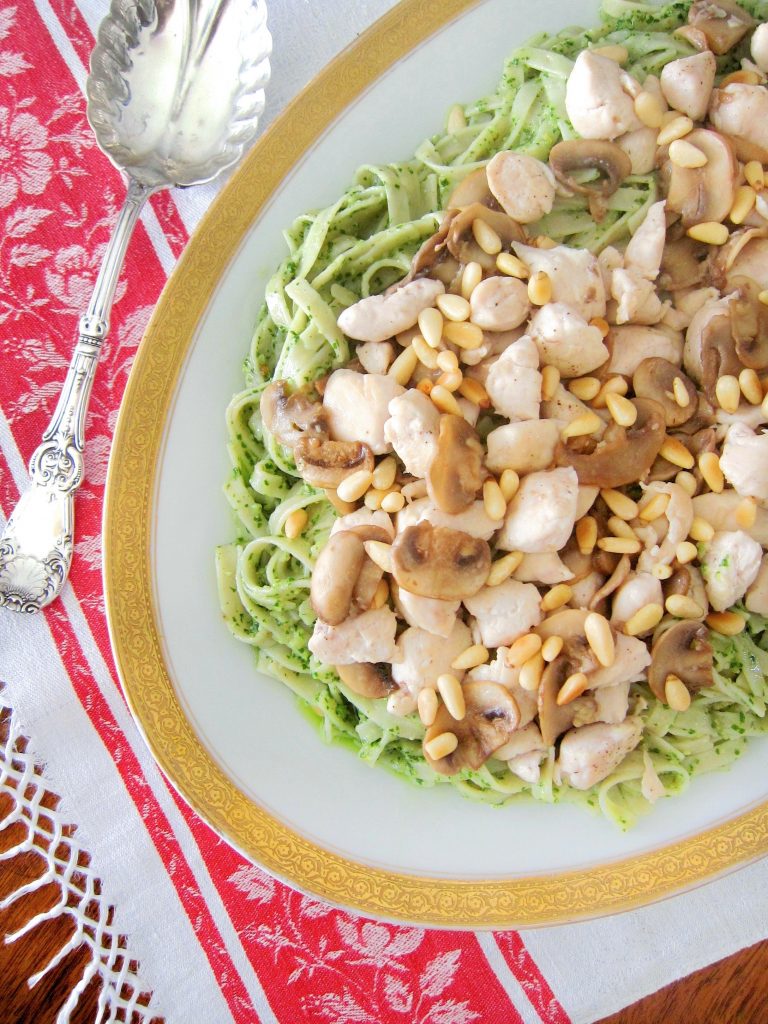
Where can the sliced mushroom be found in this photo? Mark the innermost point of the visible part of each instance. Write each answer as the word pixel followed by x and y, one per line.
pixel 461 241
pixel 683 264
pixel 290 417
pixel 683 650
pixel 614 581
pixel 335 576
pixel 624 455
pixel 440 562
pixel 456 473
pixel 718 351
pixel 749 323
pixel 654 378
pixel 367 679
pixel 325 463
pixel 716 26
pixel 491 717
pixel 472 189
pixel 703 193
pixel 609 160
pixel 743 255
pixel 554 720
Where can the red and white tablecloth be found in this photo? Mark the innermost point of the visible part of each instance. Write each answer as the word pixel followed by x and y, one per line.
pixel 215 938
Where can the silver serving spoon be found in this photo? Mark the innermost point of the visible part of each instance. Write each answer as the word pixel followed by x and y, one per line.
pixel 174 96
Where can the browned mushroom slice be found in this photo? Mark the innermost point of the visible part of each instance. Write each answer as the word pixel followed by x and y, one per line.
pixel 703 193
pixel 440 562
pixel 609 160
pixel 614 581
pixel 683 650
pixel 683 264
pixel 716 26
pixel 654 378
pixel 743 255
pixel 749 323
pixel 325 463
pixel 473 189
pixel 624 455
pixel 491 716
pixel 461 241
pixel 367 679
pixel 456 473
pixel 718 352
pixel 290 417
pixel 554 720
pixel 335 576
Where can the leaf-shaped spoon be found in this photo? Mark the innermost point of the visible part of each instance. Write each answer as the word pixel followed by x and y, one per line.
pixel 174 96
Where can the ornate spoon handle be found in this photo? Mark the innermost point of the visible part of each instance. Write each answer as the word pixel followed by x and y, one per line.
pixel 37 543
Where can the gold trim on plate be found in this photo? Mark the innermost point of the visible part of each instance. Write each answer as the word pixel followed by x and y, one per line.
pixel 128 517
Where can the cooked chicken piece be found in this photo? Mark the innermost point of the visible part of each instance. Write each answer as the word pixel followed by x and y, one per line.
pixel 636 298
pixel 499 304
pixel 380 317
pixel 741 112
pixel 523 185
pixel 543 567
pixel 364 517
pixel 759 46
pixel 608 704
pixel 412 430
pixel 497 671
pixel 638 590
pixel 679 516
pixel 691 300
pixel 632 344
pixel 720 511
pixel 744 461
pixel 566 340
pixel 589 754
pixel 541 515
pixel 514 381
pixel 730 565
pixel 504 613
pixel 369 637
pixel 426 613
pixel 687 83
pixel 425 656
pixel 584 589
pixel 598 98
pixel 375 356
pixel 357 407
pixel 564 407
pixel 756 598
pixel 646 247
pixel 525 447
pixel 751 416
pixel 610 259
pixel 524 740
pixel 574 274
pixel 640 147
pixel 632 658
pixel 475 521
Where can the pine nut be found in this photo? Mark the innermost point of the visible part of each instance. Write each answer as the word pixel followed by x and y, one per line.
pixel 586 534
pixel 619 503
pixel 655 508
pixel 402 368
pixel 674 451
pixel 585 388
pixel 701 530
pixel 486 237
pixel 680 393
pixel 531 672
pixel 444 400
pixel 381 596
pixel 493 501
pixel 451 380
pixel 644 620
pixel 572 688
pixel 763 297
pixel 683 607
pixel 453 307
pixel 675 129
pixel 662 572
pixel 425 385
pixel 392 502
pixel 453 696
pixel 620 54
pixel 551 648
pixel 620 528
pixel 544 242
pixel 613 386
pixel 710 231
pixel 688 483
pixel 503 568
pixel 753 172
pixel 685 552
pixel 373 498
pixel 597 630
pixel 684 154
pixel 426 355
pixel 457 120
pixel 474 392
pixel 509 482
pixel 522 649
pixel 441 746
pixel 712 474
pixel 751 387
pixel 727 623
pixel 559 595
pixel 431 326
pixel 355 485
pixel 550 381
pixel 426 702
pixel 447 361
pixel 649 109
pixel 586 423
pixel 295 523
pixel 465 335
pixel 470 658
pixel 623 411
pixel 540 289
pixel 384 474
pixel 746 514
pixel 742 204
pixel 744 77
pixel 619 545
pixel 511 266
pixel 677 693
pixel 380 553
pixel 601 324
pixel 471 278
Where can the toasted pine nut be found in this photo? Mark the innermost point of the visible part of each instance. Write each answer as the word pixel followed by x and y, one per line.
pixel 451 380
pixel 662 572
pixel 753 172
pixel 585 388
pixel 619 503
pixel 441 746
pixel 677 128
pixel 509 482
pixel 474 392
pixel 685 552
pixel 701 530
pixel 728 392
pixel 470 658
pixel 619 545
pixel 425 385
pixel 453 696
pixel 551 648
pixel 544 242
pixel 597 630
pixel 426 702
pixel 471 278
pixel 503 568
pixel 586 423
pixel 511 266
pixel 373 498
pixel 380 553
pixel 601 324
pixel 620 528
pixel 751 387
pixel 586 534
pixel 620 54
pixel 540 289
pixel 572 688
pixel 465 335
pixel 683 607
pixel 486 237
pixel 392 502
pixel 746 513
pixel 727 623
pixel 743 76
pixel 444 400
pixel 559 595
pixel 649 109
pixel 613 386
pixel 623 411
pixel 453 307
pixel 381 596
pixel 550 380
pixel 447 361
pixel 522 649
pixel 684 154
pixel 493 500
pixel 687 481
pixel 456 121
pixel 355 485
pixel 644 620
pixel 531 672
pixel 677 693
pixel 674 451
pixel 654 508
pixel 427 356
pixel 680 392
pixel 742 204
pixel 384 474
pixel 710 231
pixel 295 523
pixel 709 467
pixel 402 368
pixel 431 326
